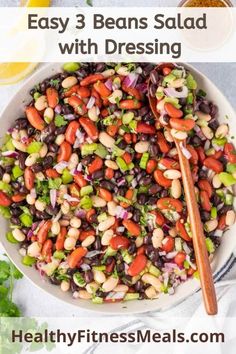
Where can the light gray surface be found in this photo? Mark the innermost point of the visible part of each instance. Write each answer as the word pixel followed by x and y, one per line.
pixel 33 301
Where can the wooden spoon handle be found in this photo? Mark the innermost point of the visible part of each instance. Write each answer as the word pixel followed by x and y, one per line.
pixel 199 243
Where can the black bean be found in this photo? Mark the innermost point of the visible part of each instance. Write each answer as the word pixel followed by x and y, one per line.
pixel 81 73
pixel 137 215
pixel 41 215
pixel 138 286
pixel 51 211
pixel 121 191
pixel 120 267
pixel 143 111
pixel 100 67
pixel 85 225
pixel 202 174
pixel 164 193
pixel 153 149
pixel 205 216
pixel 95 261
pixel 37 167
pixel 54 280
pixel 32 210
pixel 166 119
pixel 17 205
pixel 49 139
pixel 73 287
pixel 142 198
pixel 66 109
pixel 97 243
pixel 21 158
pixel 21 123
pixel 14 220
pixel 154 77
pixel 16 185
pixel 47 161
pixel 1 172
pixel 145 181
pixel 88 276
pixel 98 174
pixel 144 137
pixel 152 90
pixel 214 110
pixel 147 240
pixel 216 199
pixel 94 218
pixel 51 127
pixel 213 124
pixel 196 141
pixel 225 209
pixel 204 108
pixel 60 130
pixel 122 144
pixel 140 175
pixel 16 212
pixel 8 168
pixel 101 293
pixel 154 189
pixel 109 260
pixel 132 248
pixel 147 69
pixel 182 101
pixel 25 230
pixel 30 131
pixel 86 160
pixel 23 190
pixel 117 174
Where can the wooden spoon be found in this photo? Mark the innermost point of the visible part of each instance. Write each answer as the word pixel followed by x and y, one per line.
pixel 199 241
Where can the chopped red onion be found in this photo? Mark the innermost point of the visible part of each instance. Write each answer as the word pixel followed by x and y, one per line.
pixel 53 197
pixel 57 217
pixel 121 181
pixel 69 116
pixel 183 277
pixel 88 178
pixel 186 248
pixel 162 253
pixel 139 70
pixel 79 167
pixel 171 255
pixel 108 84
pixel 24 139
pixel 166 228
pixel 121 213
pixel 69 198
pixel 113 295
pixel 120 229
pixel 192 265
pixel 218 233
pixel 171 291
pixel 60 166
pixel 134 183
pixel 185 151
pixel 131 80
pixel 76 144
pixel 199 132
pixel 172 92
pixel 91 102
pixel 170 266
pixel 10 153
pixel 57 109
pixel 85 267
pixel 92 254
pixel 34 226
pixel 80 213
pixel 30 234
pixel 10 130
pixel 142 87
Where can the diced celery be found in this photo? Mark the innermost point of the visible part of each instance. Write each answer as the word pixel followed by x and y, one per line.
pixel 131 296
pixel 66 177
pixel 54 183
pixel 178 244
pixel 127 117
pixel 129 178
pixel 88 149
pixel 101 268
pixel 190 98
pixel 123 199
pixel 26 219
pixel 102 217
pixel 5 187
pixel 231 167
pixel 133 126
pixel 177 73
pixel 144 160
pixel 122 164
pixel 227 179
pixel 154 271
pixel 196 275
pixel 10 238
pixel 229 199
pixel 97 300
pixel 143 189
pixel 59 255
pixel 71 67
pixel 191 82
pixel 17 171
pixel 28 261
pixel 169 78
pixel 86 190
pixel 210 245
pixel 86 203
pixel 219 141
pixel 126 256
pixel 109 120
pixel 110 252
pixel 36 95
pixel 101 151
pixel 220 193
pixel 210 152
pixel 186 265
pixel 117 151
pixel 214 212
pixel 202 123
pixel 34 147
pixel 5 212
pixel 8 146
pixel 159 94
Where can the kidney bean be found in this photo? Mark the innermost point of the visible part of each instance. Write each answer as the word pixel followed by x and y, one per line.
pixel 65 152
pixel 182 124
pixel 52 97
pixel 205 185
pixel 83 92
pixel 213 164
pixel 95 165
pixel 172 111
pixel 78 105
pixel 168 244
pixel 182 231
pixel 130 104
pixel 169 164
pixel 61 239
pixel 47 250
pixel 230 152
pixel 161 180
pixel 170 203
pixel 37 167
pixel 105 194
pixel 137 265
pixel 145 128
pixel 29 178
pixel 136 215
pixel 76 256
pixel 18 197
pixel 153 90
pixel 34 118
pixel 91 79
pixel 204 200
pixel 5 200
pixel 132 227
pixel 43 231
pixel 162 143
pixel 180 258
pixel 119 242
pixel 101 89
pixel 132 91
pixel 71 130
pixel 151 166
pixel 51 173
pixel 89 127
pixel 222 222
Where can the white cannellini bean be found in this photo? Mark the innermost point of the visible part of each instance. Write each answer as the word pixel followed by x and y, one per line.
pixel 111 208
pixel 43 151
pixel 106 237
pixel 73 161
pixel 172 174
pixel 40 176
pixel 173 232
pixel 110 283
pixel 59 139
pixel 222 131
pixel 141 146
pixel 203 116
pixel 73 232
pixel 31 159
pixel 93 113
pixel 168 136
pixel 49 113
pixel 64 222
pixel 177 83
pixel 123 70
pixel 6 178
pixel 216 182
pixel 41 103
pixel 98 202
pixel 176 189
pixel 173 152
pixel 34 249
pixel 115 96
pixel 65 285
pixel 208 132
pixel 30 200
pixel 75 222
pixel 152 280
pixel 83 294
pixel 139 241
pixel 88 241
pixel 230 218
pixel 106 224
pixel 108 73
pixel 69 243
pixel 19 146
pixel 121 288
pixel 211 225
pixel 22 252
pixel 15 135
pixel 40 205
pixel 65 208
pixel 91 287
pixel 69 82
pixel 18 235
pixel 151 292
pixel 55 228
pixel 157 238
pixel 177 134
pixel 99 276
pixel 111 164
pixel 106 140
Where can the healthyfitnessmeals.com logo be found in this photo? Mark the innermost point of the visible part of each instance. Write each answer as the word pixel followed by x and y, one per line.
pixel 138 336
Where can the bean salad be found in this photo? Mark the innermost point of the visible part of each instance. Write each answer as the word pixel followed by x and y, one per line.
pixel 91 183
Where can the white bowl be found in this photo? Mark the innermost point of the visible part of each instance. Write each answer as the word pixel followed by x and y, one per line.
pixel 15 109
